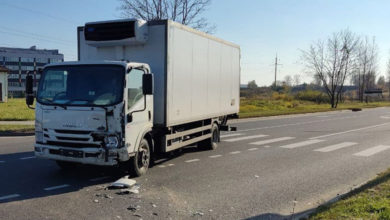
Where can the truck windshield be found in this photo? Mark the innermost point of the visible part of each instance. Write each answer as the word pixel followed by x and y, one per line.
pixel 82 85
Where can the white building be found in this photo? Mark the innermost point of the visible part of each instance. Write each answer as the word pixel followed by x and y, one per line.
pixel 21 60
pixel 3 84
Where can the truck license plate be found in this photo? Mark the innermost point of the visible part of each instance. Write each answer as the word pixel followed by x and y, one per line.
pixel 72 153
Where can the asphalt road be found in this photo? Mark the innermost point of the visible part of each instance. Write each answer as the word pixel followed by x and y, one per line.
pixel 268 169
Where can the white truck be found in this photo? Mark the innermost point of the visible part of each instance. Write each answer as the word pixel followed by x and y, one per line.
pixel 138 89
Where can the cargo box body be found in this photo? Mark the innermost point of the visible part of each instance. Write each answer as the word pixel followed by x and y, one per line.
pixel 196 76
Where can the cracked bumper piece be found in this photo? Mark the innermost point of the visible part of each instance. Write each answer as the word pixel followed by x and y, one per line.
pixel 93 156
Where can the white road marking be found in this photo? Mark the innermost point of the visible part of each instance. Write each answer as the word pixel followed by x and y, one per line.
pixel 215 156
pixel 171 164
pixel 252 149
pixel 349 131
pixel 335 147
pixel 235 152
pixel 373 150
pixel 246 138
pixel 298 123
pixel 230 135
pixel 267 146
pixel 269 141
pixel 385 117
pixel 301 144
pixel 27 158
pixel 56 187
pixel 161 166
pixel 99 178
pixel 193 160
pixel 9 196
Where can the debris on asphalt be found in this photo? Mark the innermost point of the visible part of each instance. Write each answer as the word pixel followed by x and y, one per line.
pixel 155 213
pixel 138 215
pixel 95 201
pixel 134 208
pixel 256 176
pixel 154 205
pixel 197 213
pixel 107 196
pixel 124 182
pixel 132 190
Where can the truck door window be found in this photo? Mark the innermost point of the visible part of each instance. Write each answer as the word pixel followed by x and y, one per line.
pixel 134 90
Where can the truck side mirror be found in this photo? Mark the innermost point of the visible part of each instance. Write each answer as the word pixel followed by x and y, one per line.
pixel 147 84
pixel 29 90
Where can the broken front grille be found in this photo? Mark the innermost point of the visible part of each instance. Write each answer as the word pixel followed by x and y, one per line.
pixel 70 138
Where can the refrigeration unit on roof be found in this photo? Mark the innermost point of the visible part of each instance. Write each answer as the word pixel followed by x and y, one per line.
pixel 116 33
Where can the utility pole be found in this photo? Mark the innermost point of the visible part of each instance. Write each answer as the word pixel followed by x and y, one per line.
pixel 276 68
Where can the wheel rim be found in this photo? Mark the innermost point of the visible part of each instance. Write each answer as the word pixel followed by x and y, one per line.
pixel 143 157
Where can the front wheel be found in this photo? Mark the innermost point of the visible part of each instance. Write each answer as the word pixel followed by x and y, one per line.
pixel 212 142
pixel 139 164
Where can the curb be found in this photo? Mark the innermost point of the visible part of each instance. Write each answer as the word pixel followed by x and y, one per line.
pixel 16 134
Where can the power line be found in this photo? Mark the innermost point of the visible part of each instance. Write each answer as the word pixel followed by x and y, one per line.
pixel 37 35
pixel 40 12
pixel 34 37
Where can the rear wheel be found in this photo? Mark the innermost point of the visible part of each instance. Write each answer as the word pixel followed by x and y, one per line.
pixel 212 142
pixel 139 164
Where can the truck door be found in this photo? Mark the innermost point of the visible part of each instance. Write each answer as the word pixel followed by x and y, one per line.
pixel 136 108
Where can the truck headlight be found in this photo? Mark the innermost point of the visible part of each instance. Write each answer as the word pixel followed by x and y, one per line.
pixel 111 141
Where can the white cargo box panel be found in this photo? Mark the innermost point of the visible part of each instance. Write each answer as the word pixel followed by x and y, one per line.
pixel 196 76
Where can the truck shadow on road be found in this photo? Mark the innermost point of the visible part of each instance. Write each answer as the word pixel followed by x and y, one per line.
pixel 22 176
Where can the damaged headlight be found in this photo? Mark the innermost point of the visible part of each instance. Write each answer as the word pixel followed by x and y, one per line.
pixel 111 141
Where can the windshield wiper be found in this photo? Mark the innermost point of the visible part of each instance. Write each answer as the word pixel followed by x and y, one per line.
pixel 53 103
pixel 78 100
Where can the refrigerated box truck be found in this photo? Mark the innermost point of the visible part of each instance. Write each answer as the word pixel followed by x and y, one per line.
pixel 138 89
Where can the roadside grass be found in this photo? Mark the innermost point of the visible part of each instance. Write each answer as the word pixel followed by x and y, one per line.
pixel 269 107
pixel 16 110
pixel 370 201
pixel 16 128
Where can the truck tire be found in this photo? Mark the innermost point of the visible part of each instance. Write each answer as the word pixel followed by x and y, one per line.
pixel 211 143
pixel 139 164
pixel 65 165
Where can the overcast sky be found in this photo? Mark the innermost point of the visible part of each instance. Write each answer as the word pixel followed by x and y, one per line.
pixel 261 27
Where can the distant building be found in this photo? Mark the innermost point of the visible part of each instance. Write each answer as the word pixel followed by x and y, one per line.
pixel 243 86
pixel 3 84
pixel 20 60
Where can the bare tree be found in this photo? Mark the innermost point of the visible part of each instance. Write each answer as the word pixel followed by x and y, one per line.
pixel 187 12
pixel 252 84
pixel 288 80
pixel 297 79
pixel 316 80
pixel 332 62
pixel 381 83
pixel 388 73
pixel 364 75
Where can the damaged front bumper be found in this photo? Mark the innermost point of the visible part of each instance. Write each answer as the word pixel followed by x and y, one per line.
pixel 93 156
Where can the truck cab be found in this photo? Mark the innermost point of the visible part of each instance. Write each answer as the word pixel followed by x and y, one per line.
pixel 93 112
